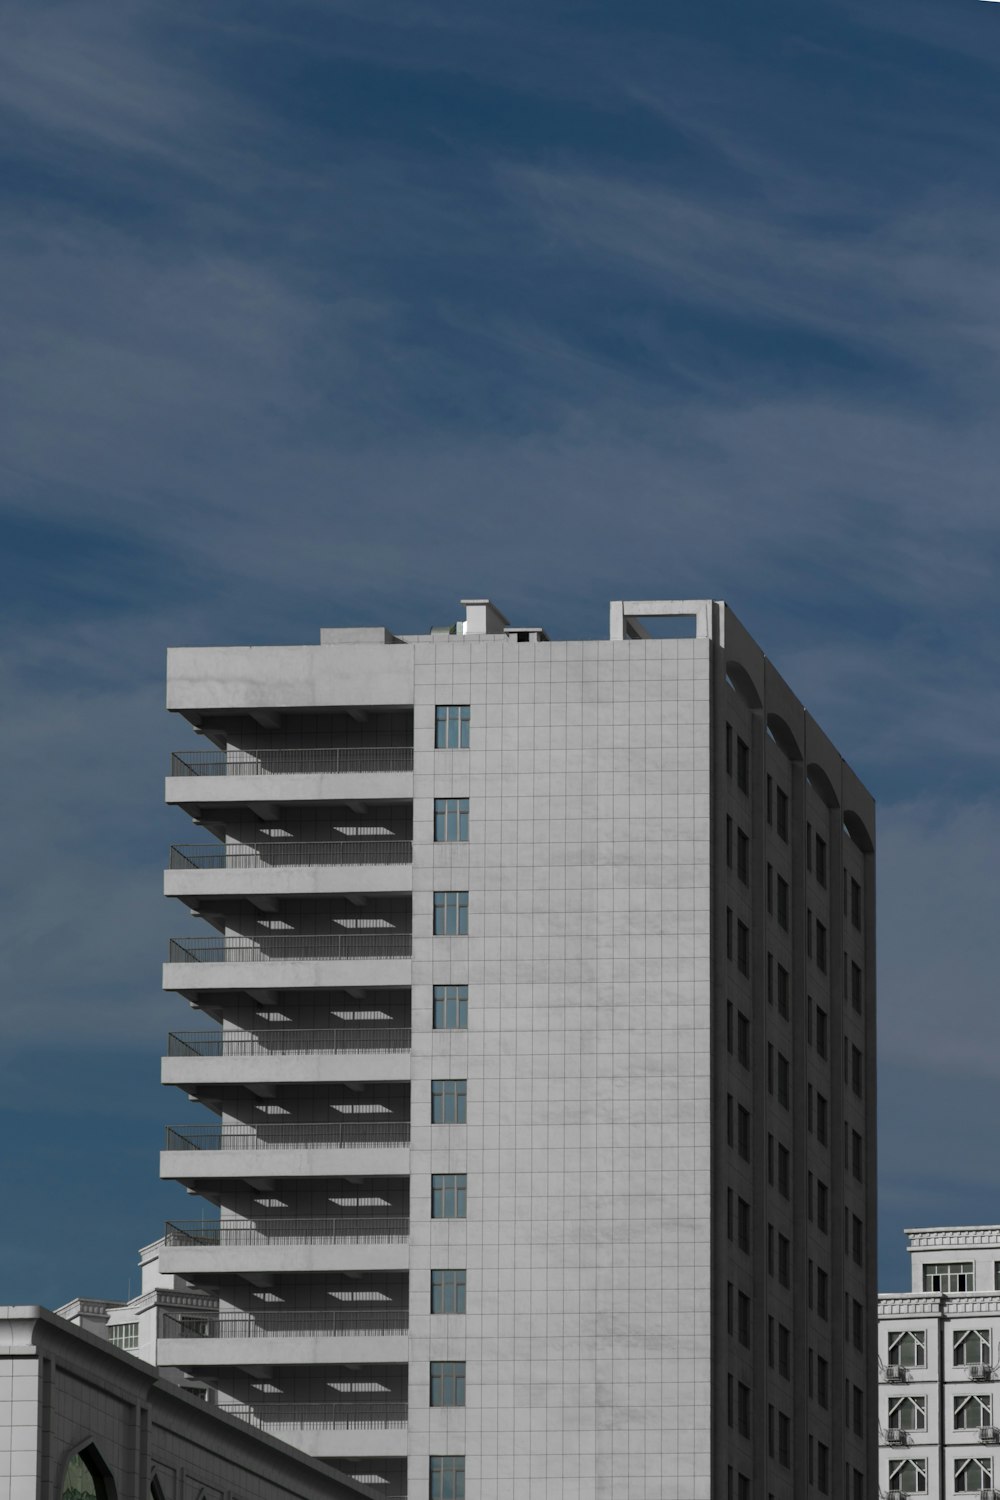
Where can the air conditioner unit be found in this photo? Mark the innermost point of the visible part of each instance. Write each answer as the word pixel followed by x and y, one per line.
pixel 980 1372
pixel 895 1437
pixel 895 1374
pixel 989 1434
pixel 895 1495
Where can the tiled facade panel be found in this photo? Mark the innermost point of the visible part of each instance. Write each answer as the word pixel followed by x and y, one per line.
pixel 587 1241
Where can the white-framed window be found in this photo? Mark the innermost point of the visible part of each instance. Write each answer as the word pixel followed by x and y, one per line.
pixel 908 1346
pixel 908 1475
pixel 123 1335
pixel 950 1276
pixel 973 1475
pixel 909 1413
pixel 973 1411
pixel 971 1346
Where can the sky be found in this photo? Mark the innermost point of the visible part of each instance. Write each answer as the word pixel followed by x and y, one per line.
pixel 331 312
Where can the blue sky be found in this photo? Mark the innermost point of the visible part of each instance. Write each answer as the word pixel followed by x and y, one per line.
pixel 334 311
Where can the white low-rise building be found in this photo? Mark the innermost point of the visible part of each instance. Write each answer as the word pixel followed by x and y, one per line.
pixel 939 1368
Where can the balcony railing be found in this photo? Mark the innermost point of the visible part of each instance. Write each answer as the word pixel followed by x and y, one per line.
pixel 290 947
pixel 227 1043
pixel 321 1414
pixel 289 1323
pixel 359 760
pixel 288 1136
pixel 207 1233
pixel 279 854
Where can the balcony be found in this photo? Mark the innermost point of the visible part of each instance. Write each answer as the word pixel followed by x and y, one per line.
pixel 227 1043
pixel 361 760
pixel 294 1337
pixel 229 1058
pixel 200 777
pixel 282 1136
pixel 290 867
pixel 322 1149
pixel 373 1230
pixel 299 960
pixel 232 1246
pixel 289 1323
pixel 329 1429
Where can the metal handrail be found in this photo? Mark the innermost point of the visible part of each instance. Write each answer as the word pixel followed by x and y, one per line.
pixel 321 1413
pixel 281 853
pixel 286 1135
pixel 206 1233
pixel 281 1042
pixel 357 759
pixel 293 1322
pixel 290 947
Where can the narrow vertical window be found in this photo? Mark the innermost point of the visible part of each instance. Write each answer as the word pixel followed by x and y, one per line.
pixel 448 1100
pixel 451 726
pixel 447 1477
pixel 448 1195
pixel 451 913
pixel 447 1382
pixel 447 1291
pixel 742 765
pixel 451 1007
pixel 451 820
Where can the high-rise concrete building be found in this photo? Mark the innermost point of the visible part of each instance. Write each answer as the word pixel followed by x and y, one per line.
pixel 536 1033
pixel 939 1368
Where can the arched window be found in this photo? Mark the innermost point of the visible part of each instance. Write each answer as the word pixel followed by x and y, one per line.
pixel 86 1477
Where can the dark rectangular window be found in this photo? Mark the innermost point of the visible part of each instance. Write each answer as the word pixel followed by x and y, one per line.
pixel 858 1325
pixel 743 1319
pixel 784 1260
pixel 729 1027
pixel 729 749
pixel 729 932
pixel 729 843
pixel 743 1409
pixel 857 1240
pixel 447 1291
pixel 451 726
pixel 743 1225
pixel 821 954
pixel 820 861
pixel 784 1351
pixel 784 1171
pixel 448 1100
pixel 742 765
pixel 822 1468
pixel 857 998
pixel 447 1477
pixel 451 913
pixel 782 990
pixel 855 904
pixel 743 948
pixel 857 1156
pixel 448 1382
pixel 784 1081
pixel 451 1007
pixel 822 1293
pixel 809 846
pixel 822 1119
pixel 743 1132
pixel 448 1193
pixel 822 1382
pixel 451 820
pixel 781 902
pixel 769 890
pixel 857 1071
pixel 822 1031
pixel 859 1411
pixel 781 813
pixel 743 1039
pixel 742 856
pixel 784 1440
pixel 822 1207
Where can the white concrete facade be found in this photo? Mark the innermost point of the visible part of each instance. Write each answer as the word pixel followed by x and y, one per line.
pixel 667 1156
pixel 939 1368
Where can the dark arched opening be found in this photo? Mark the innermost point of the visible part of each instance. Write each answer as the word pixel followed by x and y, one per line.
pixel 87 1477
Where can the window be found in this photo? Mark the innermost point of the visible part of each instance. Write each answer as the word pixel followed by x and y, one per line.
pixel 447 1478
pixel 822 1207
pixel 743 1132
pixel 729 749
pixel 910 1413
pixel 857 1156
pixel 784 1171
pixel 857 1325
pixel 448 1098
pixel 742 857
pixel 743 1224
pixel 743 1319
pixel 857 1240
pixel 743 947
pixel 83 1479
pixel 743 1409
pixel 784 1440
pixel 857 1070
pixel 855 904
pixel 822 1293
pixel 822 1382
pixel 821 948
pixel 451 726
pixel 950 1276
pixel 972 1411
pixel 822 1468
pixel 973 1475
pixel 451 1007
pixel 784 1351
pixel 971 1346
pixel 859 1411
pixel 856 993
pixel 451 913
pixel 822 1031
pixel 784 1081
pixel 447 1291
pixel 781 813
pixel 742 765
pixel 784 1260
pixel 448 1191
pixel 908 1347
pixel 743 1039
pixel 820 865
pixel 123 1335
pixel 782 902
pixel 908 1475
pixel 822 1119
pixel 729 842
pixel 448 1382
pixel 451 820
